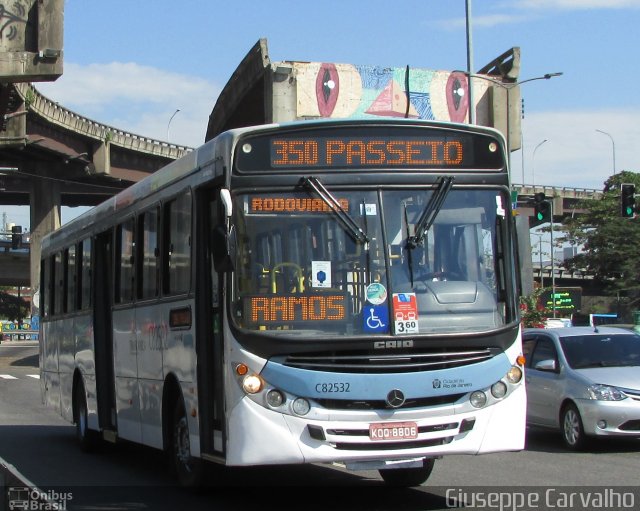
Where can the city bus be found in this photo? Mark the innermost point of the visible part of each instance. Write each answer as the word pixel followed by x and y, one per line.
pixel 333 292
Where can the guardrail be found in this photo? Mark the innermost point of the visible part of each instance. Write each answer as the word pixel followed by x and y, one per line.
pixel 558 191
pixel 65 118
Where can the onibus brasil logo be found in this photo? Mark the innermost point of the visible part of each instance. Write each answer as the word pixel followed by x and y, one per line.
pixel 32 499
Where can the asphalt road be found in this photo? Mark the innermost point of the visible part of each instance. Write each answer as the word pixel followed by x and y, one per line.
pixel 124 476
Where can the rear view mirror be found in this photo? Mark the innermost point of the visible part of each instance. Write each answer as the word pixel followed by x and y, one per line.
pixel 546 365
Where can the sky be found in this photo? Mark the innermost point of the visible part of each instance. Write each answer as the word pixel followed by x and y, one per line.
pixel 132 64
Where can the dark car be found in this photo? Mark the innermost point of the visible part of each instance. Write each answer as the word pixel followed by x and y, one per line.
pixel 583 381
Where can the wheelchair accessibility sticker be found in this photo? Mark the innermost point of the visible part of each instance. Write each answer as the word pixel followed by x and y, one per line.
pixel 375 318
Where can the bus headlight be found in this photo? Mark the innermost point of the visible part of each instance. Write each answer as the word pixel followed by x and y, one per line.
pixel 499 389
pixel 252 384
pixel 301 406
pixel 514 375
pixel 275 398
pixel 478 399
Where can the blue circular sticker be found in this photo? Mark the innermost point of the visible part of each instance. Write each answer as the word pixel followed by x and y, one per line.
pixel 376 293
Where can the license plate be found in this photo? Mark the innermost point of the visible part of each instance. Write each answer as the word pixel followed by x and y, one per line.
pixel 393 431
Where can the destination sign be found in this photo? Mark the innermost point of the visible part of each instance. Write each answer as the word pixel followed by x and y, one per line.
pixel 349 152
pixel 369 148
pixel 292 205
pixel 286 309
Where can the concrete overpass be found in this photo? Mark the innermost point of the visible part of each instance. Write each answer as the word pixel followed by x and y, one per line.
pixel 51 156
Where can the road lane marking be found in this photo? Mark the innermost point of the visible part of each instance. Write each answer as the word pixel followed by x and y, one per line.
pixel 36 376
pixel 7 377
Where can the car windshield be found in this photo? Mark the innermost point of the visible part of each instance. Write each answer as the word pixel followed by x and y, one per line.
pixel 601 350
pixel 330 262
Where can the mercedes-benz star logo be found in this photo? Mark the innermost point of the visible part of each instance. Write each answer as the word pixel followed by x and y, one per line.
pixel 395 398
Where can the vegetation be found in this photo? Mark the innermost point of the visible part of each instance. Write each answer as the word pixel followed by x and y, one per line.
pixel 12 307
pixel 533 314
pixel 609 242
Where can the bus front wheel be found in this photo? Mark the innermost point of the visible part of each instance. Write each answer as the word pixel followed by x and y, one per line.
pixel 405 477
pixel 87 438
pixel 189 470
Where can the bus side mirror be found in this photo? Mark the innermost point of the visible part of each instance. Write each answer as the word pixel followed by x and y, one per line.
pixel 224 248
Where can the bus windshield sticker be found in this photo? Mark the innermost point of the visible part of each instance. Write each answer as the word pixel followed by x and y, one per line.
pixel 500 211
pixel 369 209
pixel 321 273
pixel 375 319
pixel 376 293
pixel 405 313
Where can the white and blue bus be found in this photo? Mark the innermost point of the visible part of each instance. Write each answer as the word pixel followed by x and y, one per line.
pixel 318 292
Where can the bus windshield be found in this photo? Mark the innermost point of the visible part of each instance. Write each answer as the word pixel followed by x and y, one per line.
pixel 301 268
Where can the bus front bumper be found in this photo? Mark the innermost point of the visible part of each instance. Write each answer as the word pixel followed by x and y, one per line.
pixel 262 436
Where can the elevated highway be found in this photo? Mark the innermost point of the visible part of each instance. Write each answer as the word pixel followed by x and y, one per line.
pixel 565 199
pixel 51 156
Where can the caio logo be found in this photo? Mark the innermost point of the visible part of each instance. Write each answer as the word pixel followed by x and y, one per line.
pixel 437 384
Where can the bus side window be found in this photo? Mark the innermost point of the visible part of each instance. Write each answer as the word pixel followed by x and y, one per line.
pixel 58 289
pixel 71 277
pixel 125 247
pixel 85 274
pixel 46 284
pixel 149 281
pixel 177 245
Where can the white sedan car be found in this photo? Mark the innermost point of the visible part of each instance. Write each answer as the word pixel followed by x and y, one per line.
pixel 583 381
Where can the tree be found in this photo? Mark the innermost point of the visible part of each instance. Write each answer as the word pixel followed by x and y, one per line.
pixel 610 242
pixel 12 307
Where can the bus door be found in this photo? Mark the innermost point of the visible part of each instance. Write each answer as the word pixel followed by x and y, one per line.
pixel 209 327
pixel 103 336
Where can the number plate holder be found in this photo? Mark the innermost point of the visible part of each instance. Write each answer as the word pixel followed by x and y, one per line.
pixel 381 431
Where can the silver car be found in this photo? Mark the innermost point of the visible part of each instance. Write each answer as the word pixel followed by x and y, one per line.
pixel 584 381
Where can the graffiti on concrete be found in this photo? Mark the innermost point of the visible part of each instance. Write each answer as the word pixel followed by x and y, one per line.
pixel 352 91
pixel 8 20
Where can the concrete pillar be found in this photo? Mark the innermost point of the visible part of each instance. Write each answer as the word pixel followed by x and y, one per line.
pixel 45 218
pixel 102 158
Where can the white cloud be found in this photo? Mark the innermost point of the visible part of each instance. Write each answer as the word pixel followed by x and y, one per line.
pixel 136 98
pixel 487 21
pixel 576 155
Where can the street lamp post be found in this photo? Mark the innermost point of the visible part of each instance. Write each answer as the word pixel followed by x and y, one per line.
pixel 553 264
pixel 539 234
pixel 508 86
pixel 169 123
pixel 472 110
pixel 614 148
pixel 533 164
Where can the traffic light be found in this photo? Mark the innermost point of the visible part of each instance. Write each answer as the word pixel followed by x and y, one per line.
pixel 627 200
pixel 542 208
pixel 16 236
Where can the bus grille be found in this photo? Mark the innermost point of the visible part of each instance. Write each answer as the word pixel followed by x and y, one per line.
pixel 347 404
pixel 401 362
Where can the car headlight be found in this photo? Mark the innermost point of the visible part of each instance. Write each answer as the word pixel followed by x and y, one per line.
pixel 605 393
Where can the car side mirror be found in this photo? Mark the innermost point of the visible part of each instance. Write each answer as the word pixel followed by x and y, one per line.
pixel 548 365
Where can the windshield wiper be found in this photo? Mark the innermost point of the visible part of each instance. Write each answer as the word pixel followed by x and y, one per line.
pixel 352 227
pixel 430 212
